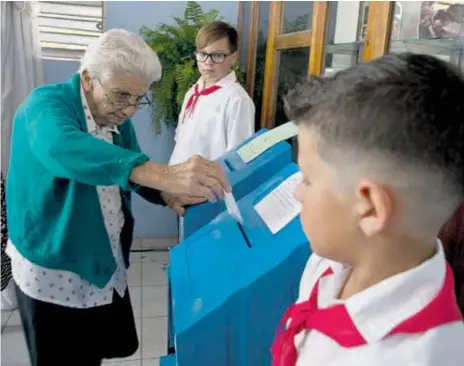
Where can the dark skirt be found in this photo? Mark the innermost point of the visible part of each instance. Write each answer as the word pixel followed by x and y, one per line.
pixel 6 262
pixel 63 336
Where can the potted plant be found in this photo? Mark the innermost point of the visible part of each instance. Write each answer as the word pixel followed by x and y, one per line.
pixel 175 46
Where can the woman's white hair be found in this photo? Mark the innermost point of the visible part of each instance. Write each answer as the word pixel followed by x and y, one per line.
pixel 119 51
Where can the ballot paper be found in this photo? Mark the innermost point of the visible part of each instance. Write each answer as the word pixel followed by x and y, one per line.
pixel 261 143
pixel 232 207
pixel 280 207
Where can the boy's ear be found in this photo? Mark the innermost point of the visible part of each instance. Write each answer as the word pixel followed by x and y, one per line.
pixel 373 207
pixel 234 56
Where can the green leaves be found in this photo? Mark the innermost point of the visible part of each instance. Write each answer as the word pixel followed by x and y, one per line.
pixel 175 45
pixel 193 12
pixel 184 75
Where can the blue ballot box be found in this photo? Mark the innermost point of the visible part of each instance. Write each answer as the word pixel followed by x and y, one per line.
pixel 230 284
pixel 168 361
pixel 243 177
pixel 170 345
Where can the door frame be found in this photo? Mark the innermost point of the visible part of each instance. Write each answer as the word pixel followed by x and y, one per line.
pixel 376 44
pixel 314 38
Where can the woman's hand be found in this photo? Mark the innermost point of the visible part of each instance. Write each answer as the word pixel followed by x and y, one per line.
pixel 197 179
pixel 178 203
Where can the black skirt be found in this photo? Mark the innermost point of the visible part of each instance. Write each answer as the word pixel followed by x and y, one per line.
pixel 63 336
pixel 6 262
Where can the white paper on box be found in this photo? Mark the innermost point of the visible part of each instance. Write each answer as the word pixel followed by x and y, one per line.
pixel 280 206
pixel 232 207
pixel 263 142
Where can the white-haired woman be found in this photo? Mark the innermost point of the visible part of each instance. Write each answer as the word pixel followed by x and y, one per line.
pixel 74 162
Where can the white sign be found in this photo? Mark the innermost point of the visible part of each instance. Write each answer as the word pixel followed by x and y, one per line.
pixel 280 206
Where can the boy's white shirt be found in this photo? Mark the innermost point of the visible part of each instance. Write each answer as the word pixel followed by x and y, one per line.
pixel 220 121
pixel 375 312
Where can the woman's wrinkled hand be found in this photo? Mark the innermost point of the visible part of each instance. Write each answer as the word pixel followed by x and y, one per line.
pixel 178 203
pixel 197 178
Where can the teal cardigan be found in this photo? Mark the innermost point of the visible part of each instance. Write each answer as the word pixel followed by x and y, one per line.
pixel 53 210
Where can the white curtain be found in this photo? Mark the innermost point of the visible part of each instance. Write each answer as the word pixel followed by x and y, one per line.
pixel 21 63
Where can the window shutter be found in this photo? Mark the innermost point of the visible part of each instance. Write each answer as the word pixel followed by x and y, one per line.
pixel 67 27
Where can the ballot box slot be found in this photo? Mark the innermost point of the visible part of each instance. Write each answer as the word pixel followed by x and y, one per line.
pixel 229 165
pixel 245 236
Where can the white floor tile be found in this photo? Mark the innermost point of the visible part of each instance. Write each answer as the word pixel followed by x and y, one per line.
pixel 124 363
pixel 154 301
pixel 158 243
pixel 14 349
pixel 136 298
pixel 150 362
pixel 154 337
pixel 136 244
pixel 135 274
pixel 15 320
pixel 153 274
pixel 5 315
pixel 135 257
pixel 159 257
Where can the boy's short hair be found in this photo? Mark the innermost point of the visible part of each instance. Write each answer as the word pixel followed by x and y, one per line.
pixel 300 99
pixel 216 31
pixel 399 119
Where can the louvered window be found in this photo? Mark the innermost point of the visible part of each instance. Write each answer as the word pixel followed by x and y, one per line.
pixel 68 27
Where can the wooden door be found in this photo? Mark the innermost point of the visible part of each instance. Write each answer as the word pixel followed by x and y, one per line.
pixel 295 41
pixel 316 38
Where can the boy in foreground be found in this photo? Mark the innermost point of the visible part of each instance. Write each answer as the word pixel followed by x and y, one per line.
pixel 382 157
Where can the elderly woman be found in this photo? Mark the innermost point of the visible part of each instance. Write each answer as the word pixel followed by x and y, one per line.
pixel 74 162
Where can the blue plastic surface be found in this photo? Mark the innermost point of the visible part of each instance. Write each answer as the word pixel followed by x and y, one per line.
pixel 170 348
pixel 230 285
pixel 243 178
pixel 168 361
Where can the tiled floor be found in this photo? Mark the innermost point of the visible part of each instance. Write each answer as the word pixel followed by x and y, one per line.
pixel 147 282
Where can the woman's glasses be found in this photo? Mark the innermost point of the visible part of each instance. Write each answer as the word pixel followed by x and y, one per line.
pixel 122 100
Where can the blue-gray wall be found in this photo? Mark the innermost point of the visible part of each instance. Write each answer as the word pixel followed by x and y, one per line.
pixel 150 221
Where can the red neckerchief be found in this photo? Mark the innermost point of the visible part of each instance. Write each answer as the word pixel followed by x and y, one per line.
pixel 192 101
pixel 336 323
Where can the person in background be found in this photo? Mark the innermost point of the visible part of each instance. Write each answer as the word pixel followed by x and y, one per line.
pixel 75 161
pixel 382 171
pixel 217 113
pixel 452 236
pixel 441 22
pixel 425 28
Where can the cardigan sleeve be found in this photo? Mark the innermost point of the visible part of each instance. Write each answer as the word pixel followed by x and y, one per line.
pixel 59 144
pixel 149 194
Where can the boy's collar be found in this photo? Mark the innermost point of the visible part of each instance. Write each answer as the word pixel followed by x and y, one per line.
pixel 227 81
pixel 377 310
